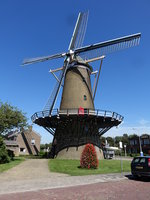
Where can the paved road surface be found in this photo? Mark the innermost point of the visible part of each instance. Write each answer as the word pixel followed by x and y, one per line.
pixel 118 190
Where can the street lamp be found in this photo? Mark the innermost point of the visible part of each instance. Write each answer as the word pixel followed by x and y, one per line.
pixel 125 151
pixel 141 152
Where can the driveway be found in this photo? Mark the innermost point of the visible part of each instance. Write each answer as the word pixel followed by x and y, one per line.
pixel 30 169
pixel 33 175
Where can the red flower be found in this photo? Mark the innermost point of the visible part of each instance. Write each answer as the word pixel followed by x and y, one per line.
pixel 89 157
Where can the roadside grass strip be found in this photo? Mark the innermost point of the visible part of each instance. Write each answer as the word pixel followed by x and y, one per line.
pixel 13 163
pixel 72 167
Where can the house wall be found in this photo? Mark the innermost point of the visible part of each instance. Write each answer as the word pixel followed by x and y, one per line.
pixel 134 146
pixel 37 138
pixel 25 139
pixel 22 145
pixel 14 149
pixel 25 142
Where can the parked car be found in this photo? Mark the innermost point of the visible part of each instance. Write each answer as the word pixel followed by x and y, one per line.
pixel 140 166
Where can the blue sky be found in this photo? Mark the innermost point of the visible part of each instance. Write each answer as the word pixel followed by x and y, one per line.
pixel 37 28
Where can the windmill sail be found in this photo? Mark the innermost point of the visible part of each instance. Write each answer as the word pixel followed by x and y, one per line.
pixel 79 31
pixel 103 48
pixel 51 101
pixel 43 58
pixel 51 98
pixel 76 42
pixel 83 53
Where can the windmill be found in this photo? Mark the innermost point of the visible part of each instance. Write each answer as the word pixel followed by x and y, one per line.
pixel 76 122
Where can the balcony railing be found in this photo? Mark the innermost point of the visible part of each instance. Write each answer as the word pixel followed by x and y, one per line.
pixel 89 112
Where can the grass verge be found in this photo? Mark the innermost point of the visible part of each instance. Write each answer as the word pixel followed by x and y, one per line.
pixel 72 168
pixel 6 166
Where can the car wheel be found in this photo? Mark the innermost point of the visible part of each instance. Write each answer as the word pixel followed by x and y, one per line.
pixel 135 176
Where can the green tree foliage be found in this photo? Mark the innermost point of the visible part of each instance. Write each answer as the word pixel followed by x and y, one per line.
pixel 4 158
pixel 45 146
pixel 133 136
pixel 102 139
pixel 11 118
pixel 110 141
pixel 125 139
pixel 117 140
pixel 89 157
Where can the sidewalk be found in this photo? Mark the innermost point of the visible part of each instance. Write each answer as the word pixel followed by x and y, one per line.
pixel 123 158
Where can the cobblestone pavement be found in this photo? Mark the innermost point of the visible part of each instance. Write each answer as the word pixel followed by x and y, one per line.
pixel 118 190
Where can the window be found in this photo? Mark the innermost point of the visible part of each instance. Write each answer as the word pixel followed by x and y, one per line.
pixel 131 142
pixel 142 160
pixel 141 141
pixel 135 141
pixel 136 160
pixel 33 141
pixel 22 150
pixel 146 141
pixel 85 97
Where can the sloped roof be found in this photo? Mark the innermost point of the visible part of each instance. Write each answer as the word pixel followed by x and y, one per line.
pixel 16 133
pixel 12 133
pixel 36 133
pixel 11 143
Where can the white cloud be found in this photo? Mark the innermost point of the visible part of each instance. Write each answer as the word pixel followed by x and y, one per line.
pixel 144 122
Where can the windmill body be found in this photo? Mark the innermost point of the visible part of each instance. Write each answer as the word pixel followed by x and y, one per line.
pixel 77 122
pixel 77 90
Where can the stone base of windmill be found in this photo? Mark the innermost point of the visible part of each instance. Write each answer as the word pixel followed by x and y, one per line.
pixel 75 153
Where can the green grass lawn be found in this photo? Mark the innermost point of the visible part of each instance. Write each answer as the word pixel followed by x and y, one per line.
pixel 72 168
pixel 6 166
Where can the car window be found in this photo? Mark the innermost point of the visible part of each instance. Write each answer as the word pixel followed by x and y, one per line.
pixel 136 160
pixel 143 160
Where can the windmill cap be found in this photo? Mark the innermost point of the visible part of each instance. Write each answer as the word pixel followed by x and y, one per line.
pixel 75 62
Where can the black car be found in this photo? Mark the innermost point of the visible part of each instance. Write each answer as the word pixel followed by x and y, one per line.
pixel 140 166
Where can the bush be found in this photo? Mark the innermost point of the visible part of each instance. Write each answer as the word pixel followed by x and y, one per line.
pixel 11 154
pixel 89 157
pixel 43 154
pixel 4 158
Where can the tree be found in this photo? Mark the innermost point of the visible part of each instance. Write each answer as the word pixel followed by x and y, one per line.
pixel 110 141
pixel 117 140
pixel 133 136
pixel 45 146
pixel 11 118
pixel 3 152
pixel 89 157
pixel 125 139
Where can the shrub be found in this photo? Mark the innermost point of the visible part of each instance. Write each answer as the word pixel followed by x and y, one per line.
pixel 4 158
pixel 11 154
pixel 43 154
pixel 89 157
